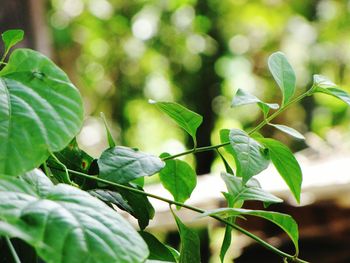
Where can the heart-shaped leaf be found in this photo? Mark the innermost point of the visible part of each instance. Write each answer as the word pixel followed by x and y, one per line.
pixel 122 164
pixel 66 224
pixel 283 74
pixel 40 111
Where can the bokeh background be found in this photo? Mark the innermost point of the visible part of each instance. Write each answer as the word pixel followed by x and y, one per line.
pixel 198 53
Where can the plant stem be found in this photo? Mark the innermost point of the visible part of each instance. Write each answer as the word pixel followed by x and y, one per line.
pixel 12 249
pixel 196 209
pixel 66 178
pixel 257 128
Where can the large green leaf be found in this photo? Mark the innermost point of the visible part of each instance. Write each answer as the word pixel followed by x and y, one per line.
pixel 158 251
pixel 286 164
pixel 11 37
pixel 40 111
pixel 244 98
pixel 179 179
pixel 66 224
pixel 249 191
pixel 122 164
pixel 249 155
pixel 190 243
pixel 324 85
pixel 283 74
pixel 185 118
pixel 284 221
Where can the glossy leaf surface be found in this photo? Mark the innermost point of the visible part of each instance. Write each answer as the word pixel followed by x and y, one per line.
pixel 283 74
pixel 284 221
pixel 66 224
pixel 40 111
pixel 244 98
pixel 292 132
pixel 250 191
pixel 286 164
pixel 249 155
pixel 185 118
pixel 179 179
pixel 158 251
pixel 123 164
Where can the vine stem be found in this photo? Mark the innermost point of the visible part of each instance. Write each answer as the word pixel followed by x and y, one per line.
pixel 12 249
pixel 257 128
pixel 292 258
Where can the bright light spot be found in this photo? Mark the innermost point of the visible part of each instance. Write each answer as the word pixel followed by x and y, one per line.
pixel 183 17
pixel 73 8
pixel 145 24
pixel 327 10
pixel 101 8
pixel 91 133
pixel 158 88
pixel 99 48
pixel 195 44
pixel 173 146
pixel 239 44
pixel 95 71
pixel 134 48
pixel 59 20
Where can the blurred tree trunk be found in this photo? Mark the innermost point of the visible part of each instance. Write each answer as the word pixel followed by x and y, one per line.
pixel 28 15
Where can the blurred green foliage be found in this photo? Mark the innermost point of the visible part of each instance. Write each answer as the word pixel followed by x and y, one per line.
pixel 122 53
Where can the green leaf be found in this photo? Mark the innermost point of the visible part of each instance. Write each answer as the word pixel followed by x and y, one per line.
pixel 292 132
pixel 40 111
pixel 248 154
pixel 122 164
pixel 283 74
pixel 284 221
pixel 185 118
pixel 190 243
pixel 142 209
pixel 158 251
pixel 286 164
pixel 11 37
pixel 249 191
pixel 178 178
pixel 66 224
pixel 324 85
pixel 244 98
pixel 110 138
pixel 112 197
pixel 227 166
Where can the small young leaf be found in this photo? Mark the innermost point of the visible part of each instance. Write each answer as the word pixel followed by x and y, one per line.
pixel 250 191
pixel 80 226
pixel 158 250
pixel 185 118
pixel 244 98
pixel 110 139
pixel 288 130
pixel 122 164
pixel 284 221
pixel 248 154
pixel 286 164
pixel 227 166
pixel 324 85
pixel 283 74
pixel 178 178
pixel 11 37
pixel 190 243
